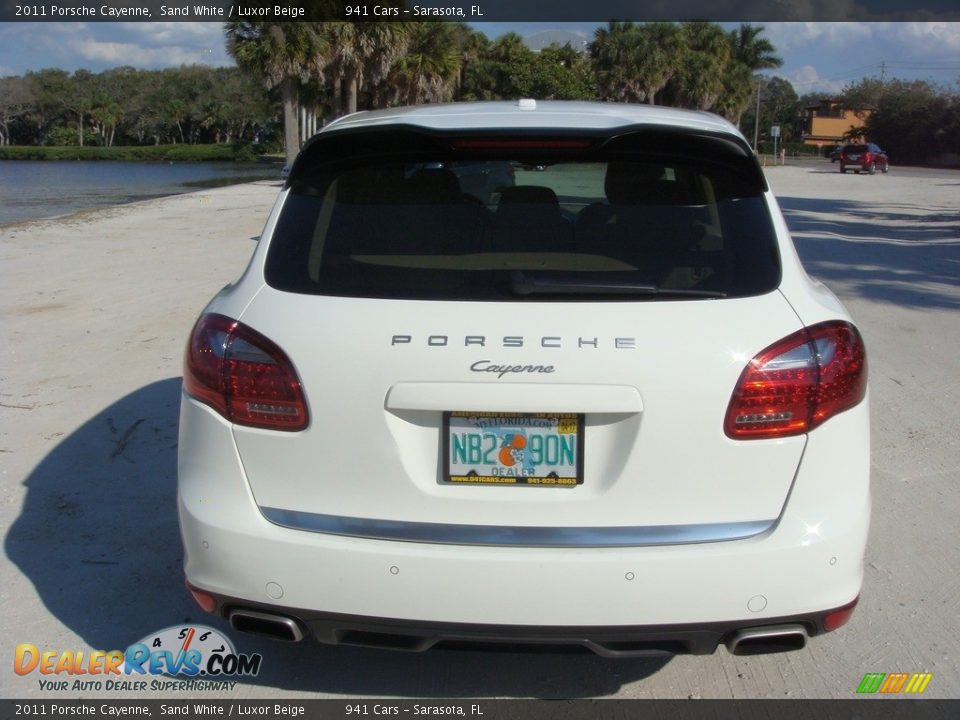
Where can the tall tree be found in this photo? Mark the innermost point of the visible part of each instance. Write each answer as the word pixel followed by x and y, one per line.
pixel 703 64
pixel 361 53
pixel 427 72
pixel 633 63
pixel 749 53
pixel 663 45
pixel 618 52
pixel 281 54
pixel 15 101
pixel 779 105
pixel 914 120
pixel 557 73
pixel 756 52
pixel 47 87
pixel 472 46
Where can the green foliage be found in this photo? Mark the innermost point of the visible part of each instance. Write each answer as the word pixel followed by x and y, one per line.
pixel 67 136
pixel 501 73
pixel 556 73
pixel 331 68
pixel 428 70
pixel 239 152
pixel 914 121
pixel 189 104
pixel 779 105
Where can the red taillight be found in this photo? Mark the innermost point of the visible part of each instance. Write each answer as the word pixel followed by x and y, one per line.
pixel 207 603
pixel 839 617
pixel 799 383
pixel 243 376
pixel 521 144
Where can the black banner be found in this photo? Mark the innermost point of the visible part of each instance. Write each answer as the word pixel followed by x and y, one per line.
pixel 474 10
pixel 366 709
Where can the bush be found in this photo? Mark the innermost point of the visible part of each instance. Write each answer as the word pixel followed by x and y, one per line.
pixel 67 136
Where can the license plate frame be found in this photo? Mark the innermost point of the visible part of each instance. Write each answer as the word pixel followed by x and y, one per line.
pixel 464 462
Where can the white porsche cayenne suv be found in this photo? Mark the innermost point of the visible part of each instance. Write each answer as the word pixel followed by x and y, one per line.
pixel 598 404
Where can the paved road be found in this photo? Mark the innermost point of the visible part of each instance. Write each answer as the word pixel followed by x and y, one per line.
pixel 88 441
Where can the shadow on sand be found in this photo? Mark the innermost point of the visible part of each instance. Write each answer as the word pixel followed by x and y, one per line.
pixel 98 538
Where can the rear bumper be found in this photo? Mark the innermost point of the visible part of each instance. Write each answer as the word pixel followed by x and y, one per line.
pixel 776 634
pixel 860 164
pixel 693 595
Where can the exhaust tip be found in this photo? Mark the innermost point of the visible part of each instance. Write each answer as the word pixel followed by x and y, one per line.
pixel 769 639
pixel 278 627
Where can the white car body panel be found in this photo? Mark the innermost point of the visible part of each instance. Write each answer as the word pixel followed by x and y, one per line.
pixel 811 560
pixel 352 515
pixel 628 455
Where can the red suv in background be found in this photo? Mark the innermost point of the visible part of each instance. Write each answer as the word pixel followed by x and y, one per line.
pixel 867 157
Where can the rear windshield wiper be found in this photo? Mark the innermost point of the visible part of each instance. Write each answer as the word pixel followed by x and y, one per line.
pixel 571 284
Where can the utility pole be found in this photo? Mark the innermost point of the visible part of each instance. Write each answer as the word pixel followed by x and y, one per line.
pixel 883 70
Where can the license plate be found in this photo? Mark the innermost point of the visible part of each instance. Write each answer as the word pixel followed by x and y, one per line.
pixel 488 448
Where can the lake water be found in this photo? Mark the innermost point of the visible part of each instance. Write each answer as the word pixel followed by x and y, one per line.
pixel 44 188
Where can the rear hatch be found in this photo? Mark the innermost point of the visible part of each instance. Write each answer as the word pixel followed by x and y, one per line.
pixel 557 351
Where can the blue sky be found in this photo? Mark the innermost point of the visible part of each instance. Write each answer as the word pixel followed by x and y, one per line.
pixel 818 56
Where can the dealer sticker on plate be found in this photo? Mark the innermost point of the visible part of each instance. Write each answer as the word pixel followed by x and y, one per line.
pixel 485 448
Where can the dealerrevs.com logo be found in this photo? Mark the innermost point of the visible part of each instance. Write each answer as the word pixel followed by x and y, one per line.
pixel 894 683
pixel 196 656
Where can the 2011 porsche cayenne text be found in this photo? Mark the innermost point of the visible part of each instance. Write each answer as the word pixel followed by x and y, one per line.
pixel 535 372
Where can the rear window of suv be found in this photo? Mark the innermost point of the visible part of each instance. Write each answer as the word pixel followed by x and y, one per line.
pixel 511 225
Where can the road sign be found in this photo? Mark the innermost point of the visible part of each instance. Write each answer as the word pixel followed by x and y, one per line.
pixel 775 131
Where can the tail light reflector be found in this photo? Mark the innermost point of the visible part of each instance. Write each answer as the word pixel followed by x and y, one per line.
pixel 839 617
pixel 206 602
pixel 799 382
pixel 243 375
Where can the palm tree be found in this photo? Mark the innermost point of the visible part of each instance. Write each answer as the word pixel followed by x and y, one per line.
pixel 749 48
pixel 472 48
pixel 361 54
pixel 282 55
pixel 618 53
pixel 749 53
pixel 700 80
pixel 428 70
pixel 662 48
pixel 738 91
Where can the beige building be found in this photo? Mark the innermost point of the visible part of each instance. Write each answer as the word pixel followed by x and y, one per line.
pixel 829 121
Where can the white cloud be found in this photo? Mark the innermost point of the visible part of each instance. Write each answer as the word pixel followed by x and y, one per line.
pixel 794 35
pixel 161 44
pixel 136 54
pixel 177 33
pixel 99 46
pixel 929 40
pixel 808 80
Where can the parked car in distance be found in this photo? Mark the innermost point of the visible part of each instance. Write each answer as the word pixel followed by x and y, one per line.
pixel 867 157
pixel 835 153
pixel 527 372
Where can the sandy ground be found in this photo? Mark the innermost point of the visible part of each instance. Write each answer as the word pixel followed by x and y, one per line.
pixel 96 309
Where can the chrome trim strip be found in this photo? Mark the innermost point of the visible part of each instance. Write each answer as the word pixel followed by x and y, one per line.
pixel 505 536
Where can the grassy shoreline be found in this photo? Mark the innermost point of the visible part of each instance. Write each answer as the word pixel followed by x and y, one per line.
pixel 237 152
